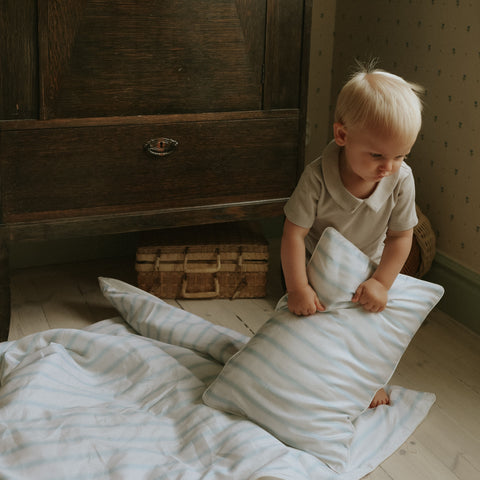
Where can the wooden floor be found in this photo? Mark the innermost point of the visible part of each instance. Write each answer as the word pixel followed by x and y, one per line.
pixel 443 358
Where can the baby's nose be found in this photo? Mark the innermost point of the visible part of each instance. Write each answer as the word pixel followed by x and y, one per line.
pixel 387 166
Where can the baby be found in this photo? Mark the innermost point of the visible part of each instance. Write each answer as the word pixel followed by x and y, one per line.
pixel 362 187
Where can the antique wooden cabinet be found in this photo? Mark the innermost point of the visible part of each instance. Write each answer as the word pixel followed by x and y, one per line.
pixel 129 115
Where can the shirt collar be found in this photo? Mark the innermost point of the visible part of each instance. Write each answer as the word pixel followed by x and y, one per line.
pixel 338 192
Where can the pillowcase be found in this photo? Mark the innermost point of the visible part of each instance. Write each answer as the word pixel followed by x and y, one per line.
pixel 154 318
pixel 306 379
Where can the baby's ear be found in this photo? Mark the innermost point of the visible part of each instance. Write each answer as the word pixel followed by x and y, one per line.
pixel 339 133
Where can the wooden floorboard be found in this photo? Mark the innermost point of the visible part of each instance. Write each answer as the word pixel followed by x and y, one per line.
pixel 443 358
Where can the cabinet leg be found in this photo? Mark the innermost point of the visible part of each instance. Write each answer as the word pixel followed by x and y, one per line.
pixel 4 289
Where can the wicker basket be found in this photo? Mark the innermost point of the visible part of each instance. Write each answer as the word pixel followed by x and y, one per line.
pixel 423 248
pixel 208 261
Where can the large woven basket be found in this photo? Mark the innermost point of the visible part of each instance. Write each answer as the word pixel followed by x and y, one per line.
pixel 207 261
pixel 423 248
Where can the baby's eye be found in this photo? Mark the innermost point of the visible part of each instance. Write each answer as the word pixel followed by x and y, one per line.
pixel 376 155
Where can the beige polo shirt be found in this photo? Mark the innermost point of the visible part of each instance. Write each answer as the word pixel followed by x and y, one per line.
pixel 321 200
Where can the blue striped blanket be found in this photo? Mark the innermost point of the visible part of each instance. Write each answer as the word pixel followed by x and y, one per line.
pixel 124 401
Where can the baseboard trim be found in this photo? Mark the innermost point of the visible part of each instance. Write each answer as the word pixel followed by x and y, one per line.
pixel 462 290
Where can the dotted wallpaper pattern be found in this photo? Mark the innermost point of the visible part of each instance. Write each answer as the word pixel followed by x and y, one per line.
pixel 320 81
pixel 435 43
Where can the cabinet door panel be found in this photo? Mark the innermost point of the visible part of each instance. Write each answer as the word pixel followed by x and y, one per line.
pixel 50 173
pixel 136 57
pixel 283 61
pixel 18 60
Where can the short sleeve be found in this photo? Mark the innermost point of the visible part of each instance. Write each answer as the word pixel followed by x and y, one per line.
pixel 301 208
pixel 404 216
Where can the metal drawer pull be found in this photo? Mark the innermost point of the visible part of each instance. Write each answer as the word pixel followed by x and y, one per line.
pixel 160 147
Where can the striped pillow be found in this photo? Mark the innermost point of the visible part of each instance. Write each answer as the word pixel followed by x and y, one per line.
pixel 306 379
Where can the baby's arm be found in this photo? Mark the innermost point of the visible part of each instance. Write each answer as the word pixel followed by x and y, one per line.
pixel 373 293
pixel 302 299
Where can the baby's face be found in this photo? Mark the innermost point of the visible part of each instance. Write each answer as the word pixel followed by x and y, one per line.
pixel 372 156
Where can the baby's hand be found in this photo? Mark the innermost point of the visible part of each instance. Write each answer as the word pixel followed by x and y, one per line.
pixel 304 302
pixel 371 295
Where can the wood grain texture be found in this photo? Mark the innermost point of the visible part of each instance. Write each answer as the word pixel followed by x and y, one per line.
pixel 68 172
pixel 18 59
pixel 146 220
pixel 157 57
pixel 283 65
pixel 58 24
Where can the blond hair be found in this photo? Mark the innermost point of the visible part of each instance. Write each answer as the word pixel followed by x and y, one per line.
pixel 374 99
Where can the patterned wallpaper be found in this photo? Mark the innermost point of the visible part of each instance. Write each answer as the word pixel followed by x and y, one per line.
pixel 320 82
pixel 437 44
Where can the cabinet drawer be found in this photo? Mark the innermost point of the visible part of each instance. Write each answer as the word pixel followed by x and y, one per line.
pixel 57 171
